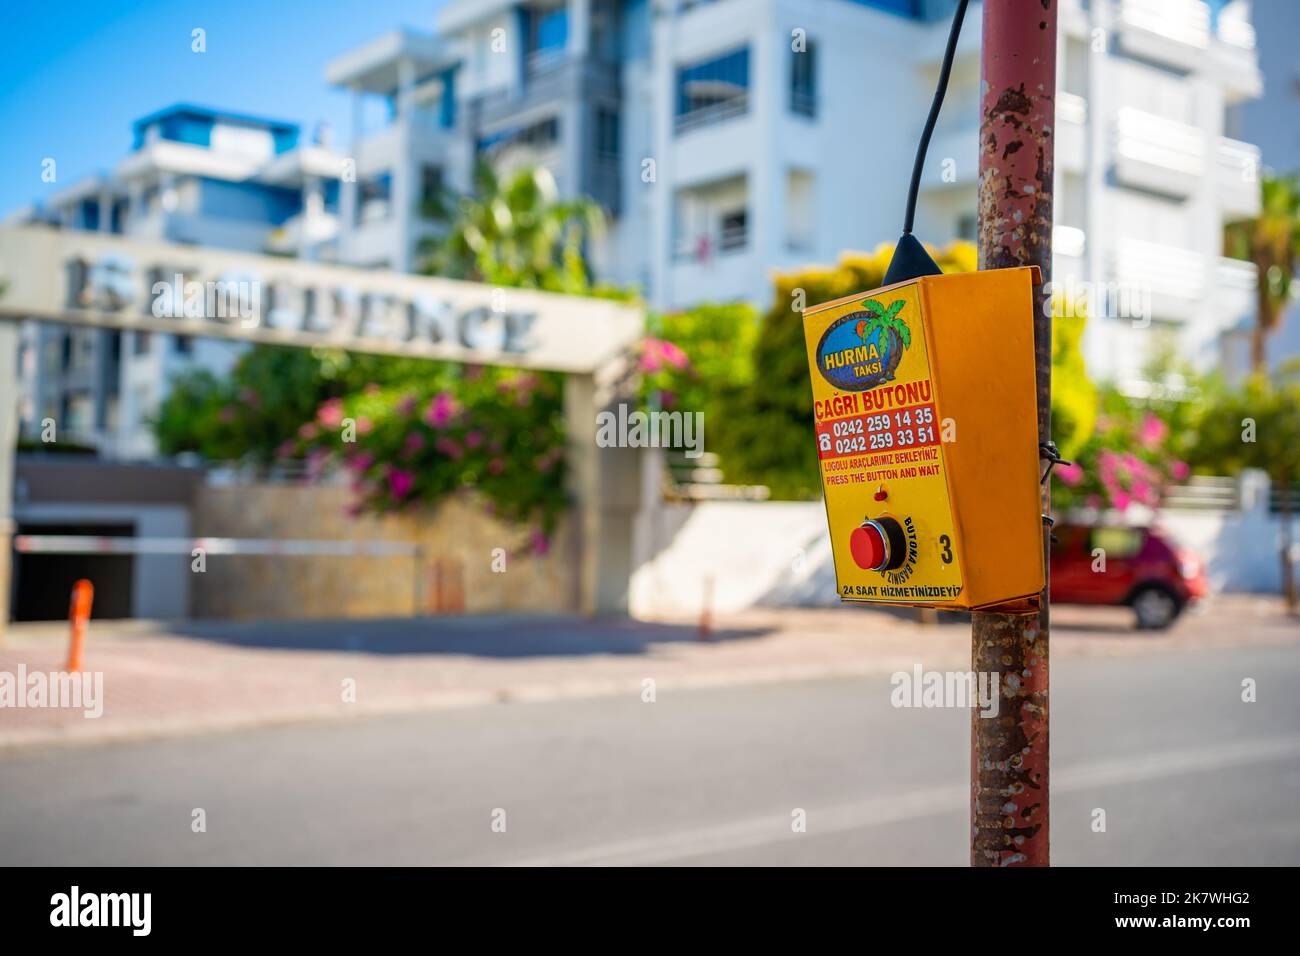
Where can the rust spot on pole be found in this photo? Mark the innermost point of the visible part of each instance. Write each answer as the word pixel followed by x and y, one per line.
pixel 1009 753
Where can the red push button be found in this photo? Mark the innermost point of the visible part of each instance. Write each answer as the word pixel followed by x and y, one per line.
pixel 868 547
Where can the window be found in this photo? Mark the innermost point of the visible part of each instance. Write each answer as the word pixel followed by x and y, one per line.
pixel 372 198
pixel 800 210
pixel 713 91
pixel 803 80
pixel 733 231
pixel 141 345
pixel 546 32
pixel 536 136
pixel 430 182
pixel 606 134
pixel 968 227
pixel 183 344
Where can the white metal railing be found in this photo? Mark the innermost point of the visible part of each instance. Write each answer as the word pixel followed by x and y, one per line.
pixel 1204 493
pixel 714 113
pixel 701 247
pixel 539 62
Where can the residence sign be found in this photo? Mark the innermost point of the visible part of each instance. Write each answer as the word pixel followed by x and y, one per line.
pixel 926 432
pixel 95 279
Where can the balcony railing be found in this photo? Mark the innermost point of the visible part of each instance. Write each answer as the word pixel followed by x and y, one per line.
pixel 1236 31
pixel 1071 108
pixel 1164 270
pixel 714 113
pixel 1157 154
pixel 541 62
pixel 700 248
pixel 1183 21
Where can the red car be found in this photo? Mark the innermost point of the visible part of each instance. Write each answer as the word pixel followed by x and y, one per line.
pixel 1140 567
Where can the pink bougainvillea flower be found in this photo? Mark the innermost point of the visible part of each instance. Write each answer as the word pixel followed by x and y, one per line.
pixel 1071 474
pixel 413 445
pixel 1145 493
pixel 1093 502
pixel 400 482
pixel 1121 500
pixel 496 466
pixel 651 356
pixel 473 439
pixel 286 448
pixel 406 405
pixel 448 447
pixel 1152 431
pixel 308 431
pixel 442 409
pixel 667 399
pixel 538 543
pixel 673 354
pixel 316 459
pixel 330 414
pixel 1179 470
pixel 365 426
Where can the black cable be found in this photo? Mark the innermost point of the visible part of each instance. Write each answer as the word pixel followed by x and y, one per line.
pixel 944 71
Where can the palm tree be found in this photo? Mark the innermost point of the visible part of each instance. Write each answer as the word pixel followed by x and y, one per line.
pixel 513 230
pixel 1271 240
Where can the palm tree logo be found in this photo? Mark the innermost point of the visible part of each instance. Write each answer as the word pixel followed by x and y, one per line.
pixel 884 326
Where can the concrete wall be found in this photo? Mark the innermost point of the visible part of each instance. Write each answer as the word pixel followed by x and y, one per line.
pixel 778 552
pixel 366 586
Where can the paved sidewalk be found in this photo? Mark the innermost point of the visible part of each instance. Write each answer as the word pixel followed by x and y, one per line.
pixel 164 679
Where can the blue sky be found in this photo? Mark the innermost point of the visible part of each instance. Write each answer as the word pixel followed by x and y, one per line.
pixel 74 75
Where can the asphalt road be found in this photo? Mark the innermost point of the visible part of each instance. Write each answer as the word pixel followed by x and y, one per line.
pixel 1186 773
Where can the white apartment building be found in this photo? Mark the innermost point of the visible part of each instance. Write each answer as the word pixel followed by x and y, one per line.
pixel 194 176
pixel 731 138
pixel 726 139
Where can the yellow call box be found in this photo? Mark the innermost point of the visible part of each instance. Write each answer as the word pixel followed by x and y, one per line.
pixel 926 429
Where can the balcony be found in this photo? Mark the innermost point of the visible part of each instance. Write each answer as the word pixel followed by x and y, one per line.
pixel 1173 32
pixel 1158 154
pixel 1237 177
pixel 301 232
pixel 719 112
pixel 1234 289
pixel 1071 132
pixel 1170 278
pixel 538 63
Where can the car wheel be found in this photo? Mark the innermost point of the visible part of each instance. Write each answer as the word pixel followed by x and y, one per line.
pixel 1156 607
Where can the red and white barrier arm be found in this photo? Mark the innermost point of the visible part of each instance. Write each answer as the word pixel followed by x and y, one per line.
pixel 92 544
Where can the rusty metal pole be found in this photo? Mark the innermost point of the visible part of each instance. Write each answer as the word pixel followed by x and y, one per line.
pixel 1009 756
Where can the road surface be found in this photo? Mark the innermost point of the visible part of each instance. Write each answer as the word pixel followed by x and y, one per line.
pixel 1186 772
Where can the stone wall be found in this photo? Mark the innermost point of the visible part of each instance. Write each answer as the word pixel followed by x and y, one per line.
pixel 457 535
